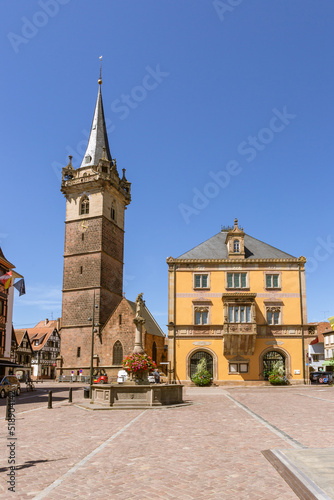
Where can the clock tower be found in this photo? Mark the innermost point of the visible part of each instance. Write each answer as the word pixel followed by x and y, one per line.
pixel 96 199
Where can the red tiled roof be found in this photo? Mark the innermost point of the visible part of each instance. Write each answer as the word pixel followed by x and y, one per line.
pixel 41 332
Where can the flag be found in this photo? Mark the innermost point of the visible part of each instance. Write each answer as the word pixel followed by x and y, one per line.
pixel 6 279
pixel 331 320
pixel 20 286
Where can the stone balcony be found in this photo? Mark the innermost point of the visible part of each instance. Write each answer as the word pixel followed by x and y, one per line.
pixel 239 339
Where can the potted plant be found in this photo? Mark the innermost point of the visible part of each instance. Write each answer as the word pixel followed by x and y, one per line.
pixel 277 376
pixel 201 376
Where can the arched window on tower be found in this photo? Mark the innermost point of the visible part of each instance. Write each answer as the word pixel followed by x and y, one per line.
pixel 84 205
pixel 117 353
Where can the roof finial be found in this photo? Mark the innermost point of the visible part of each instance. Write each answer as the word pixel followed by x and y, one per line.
pixel 236 223
pixel 100 79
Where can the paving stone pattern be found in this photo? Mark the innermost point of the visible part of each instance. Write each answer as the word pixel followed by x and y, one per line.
pixel 210 450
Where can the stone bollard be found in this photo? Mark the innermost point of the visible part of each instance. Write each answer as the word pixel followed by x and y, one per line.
pixel 70 396
pixel 50 400
pixel 8 412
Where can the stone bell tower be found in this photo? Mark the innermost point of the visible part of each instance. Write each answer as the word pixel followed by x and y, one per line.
pixel 96 199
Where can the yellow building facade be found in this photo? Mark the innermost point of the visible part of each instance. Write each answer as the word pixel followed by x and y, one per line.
pixel 241 304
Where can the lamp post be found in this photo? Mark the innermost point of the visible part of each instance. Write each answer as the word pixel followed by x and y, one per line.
pixel 94 330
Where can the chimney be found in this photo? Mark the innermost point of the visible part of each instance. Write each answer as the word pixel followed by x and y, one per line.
pixel 46 321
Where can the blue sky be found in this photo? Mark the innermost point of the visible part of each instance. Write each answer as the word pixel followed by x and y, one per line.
pixel 240 124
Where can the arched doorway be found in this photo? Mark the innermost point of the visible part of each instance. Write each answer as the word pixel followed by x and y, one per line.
pixel 196 358
pixel 271 360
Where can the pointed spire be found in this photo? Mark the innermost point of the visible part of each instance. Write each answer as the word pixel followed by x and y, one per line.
pixel 98 138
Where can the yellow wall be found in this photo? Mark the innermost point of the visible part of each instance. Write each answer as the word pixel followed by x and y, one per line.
pixel 292 347
pixel 286 336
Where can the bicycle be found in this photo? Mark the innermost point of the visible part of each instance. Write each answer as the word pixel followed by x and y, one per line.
pixel 30 386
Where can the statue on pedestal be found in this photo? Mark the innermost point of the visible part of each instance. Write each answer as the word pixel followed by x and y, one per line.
pixel 139 321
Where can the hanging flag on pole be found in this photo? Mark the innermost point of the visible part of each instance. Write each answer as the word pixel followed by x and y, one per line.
pixel 6 279
pixel 21 287
pixel 331 320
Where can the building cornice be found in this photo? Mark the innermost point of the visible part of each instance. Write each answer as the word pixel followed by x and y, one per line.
pixel 233 262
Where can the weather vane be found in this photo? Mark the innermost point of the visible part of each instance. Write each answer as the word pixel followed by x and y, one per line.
pixel 100 79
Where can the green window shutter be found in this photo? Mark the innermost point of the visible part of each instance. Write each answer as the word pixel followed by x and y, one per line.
pixel 275 280
pixel 197 281
pixel 204 318
pixel 268 280
pixel 269 317
pixel 229 280
pixel 236 280
pixel 243 280
pixel 204 280
pixel 197 318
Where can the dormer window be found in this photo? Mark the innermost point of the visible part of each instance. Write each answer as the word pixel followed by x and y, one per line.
pixel 84 206
pixel 236 246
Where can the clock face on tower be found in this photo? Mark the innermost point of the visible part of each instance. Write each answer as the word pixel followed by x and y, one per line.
pixel 83 226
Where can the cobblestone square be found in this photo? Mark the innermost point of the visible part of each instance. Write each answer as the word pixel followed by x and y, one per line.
pixel 211 449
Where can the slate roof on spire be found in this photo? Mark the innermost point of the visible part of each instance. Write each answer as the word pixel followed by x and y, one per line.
pixel 98 138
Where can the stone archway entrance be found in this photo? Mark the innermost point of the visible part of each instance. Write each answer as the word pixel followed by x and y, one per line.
pixel 270 360
pixel 195 359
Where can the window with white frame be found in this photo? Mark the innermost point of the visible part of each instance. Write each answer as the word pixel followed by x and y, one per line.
pixel 326 340
pixel 236 280
pixel 201 281
pixel 332 339
pixel 239 314
pixel 236 246
pixel 273 281
pixel 237 368
pixel 201 315
pixel 273 315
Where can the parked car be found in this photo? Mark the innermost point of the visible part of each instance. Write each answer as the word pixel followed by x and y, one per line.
pixel 9 383
pixel 321 377
pixel 100 377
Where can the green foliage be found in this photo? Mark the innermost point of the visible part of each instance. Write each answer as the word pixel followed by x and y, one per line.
pixel 276 376
pixel 201 376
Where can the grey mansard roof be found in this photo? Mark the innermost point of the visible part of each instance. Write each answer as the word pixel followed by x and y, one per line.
pixel 98 138
pixel 215 248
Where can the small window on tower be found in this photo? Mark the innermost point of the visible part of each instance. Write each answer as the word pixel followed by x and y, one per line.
pixel 81 269
pixel 120 319
pixel 236 246
pixel 82 237
pixel 113 212
pixel 84 206
pixel 78 352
